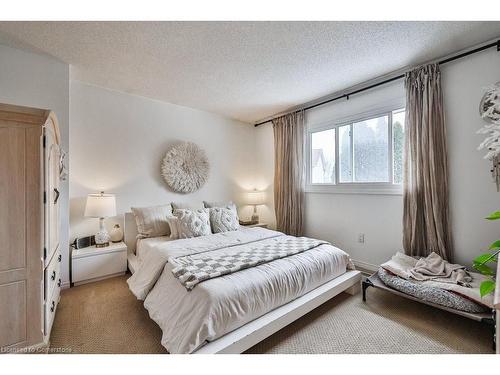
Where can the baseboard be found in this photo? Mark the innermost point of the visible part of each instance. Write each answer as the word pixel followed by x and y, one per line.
pixel 65 285
pixel 364 267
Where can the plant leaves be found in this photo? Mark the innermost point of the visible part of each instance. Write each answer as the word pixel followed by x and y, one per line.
pixel 484 269
pixel 495 245
pixel 494 216
pixel 484 258
pixel 487 287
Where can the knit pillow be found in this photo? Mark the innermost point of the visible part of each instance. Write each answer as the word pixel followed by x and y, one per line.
pixel 193 223
pixel 230 205
pixel 223 220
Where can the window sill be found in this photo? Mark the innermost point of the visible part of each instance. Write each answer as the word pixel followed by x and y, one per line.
pixel 359 188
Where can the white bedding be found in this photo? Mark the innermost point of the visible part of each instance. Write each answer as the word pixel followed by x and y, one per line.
pixel 215 307
pixel 146 244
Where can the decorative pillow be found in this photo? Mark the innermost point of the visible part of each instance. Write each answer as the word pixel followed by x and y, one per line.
pixel 173 223
pixel 193 223
pixel 230 205
pixel 152 221
pixel 223 220
pixel 185 206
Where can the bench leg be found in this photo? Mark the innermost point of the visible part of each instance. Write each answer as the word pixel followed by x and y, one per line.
pixel 365 284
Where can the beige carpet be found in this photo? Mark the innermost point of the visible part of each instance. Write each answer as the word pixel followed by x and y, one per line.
pixel 104 317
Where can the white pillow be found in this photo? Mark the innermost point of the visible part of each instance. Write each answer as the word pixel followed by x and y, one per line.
pixel 223 220
pixel 173 223
pixel 193 223
pixel 230 205
pixel 152 221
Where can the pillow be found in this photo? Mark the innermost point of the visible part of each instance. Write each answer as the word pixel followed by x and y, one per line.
pixel 230 205
pixel 173 223
pixel 223 220
pixel 193 223
pixel 152 221
pixel 185 206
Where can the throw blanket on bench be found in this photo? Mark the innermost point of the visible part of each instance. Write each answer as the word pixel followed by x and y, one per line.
pixel 193 269
pixel 434 273
pixel 433 267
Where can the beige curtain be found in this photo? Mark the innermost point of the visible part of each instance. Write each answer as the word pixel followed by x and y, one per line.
pixel 289 173
pixel 426 223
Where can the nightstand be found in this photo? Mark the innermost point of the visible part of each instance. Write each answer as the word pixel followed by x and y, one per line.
pixel 260 225
pixel 96 263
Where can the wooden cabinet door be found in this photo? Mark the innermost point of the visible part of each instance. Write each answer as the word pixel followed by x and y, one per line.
pixel 52 192
pixel 20 234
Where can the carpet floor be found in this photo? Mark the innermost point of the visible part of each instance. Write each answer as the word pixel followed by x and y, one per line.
pixel 104 317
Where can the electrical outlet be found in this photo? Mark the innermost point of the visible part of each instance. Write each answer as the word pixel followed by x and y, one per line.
pixel 361 238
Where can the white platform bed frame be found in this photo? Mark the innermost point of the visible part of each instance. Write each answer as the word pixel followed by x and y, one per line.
pixel 252 333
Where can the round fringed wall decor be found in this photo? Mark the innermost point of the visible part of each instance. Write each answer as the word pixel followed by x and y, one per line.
pixel 185 168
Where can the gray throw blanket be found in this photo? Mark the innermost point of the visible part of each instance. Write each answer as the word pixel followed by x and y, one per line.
pixel 435 272
pixel 190 270
pixel 436 268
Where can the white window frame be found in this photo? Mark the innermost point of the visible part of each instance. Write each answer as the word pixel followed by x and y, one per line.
pixel 384 188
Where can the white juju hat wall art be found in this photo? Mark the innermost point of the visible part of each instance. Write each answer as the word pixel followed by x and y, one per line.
pixel 489 109
pixel 185 168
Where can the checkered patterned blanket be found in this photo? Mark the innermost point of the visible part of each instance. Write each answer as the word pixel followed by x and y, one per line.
pixel 193 269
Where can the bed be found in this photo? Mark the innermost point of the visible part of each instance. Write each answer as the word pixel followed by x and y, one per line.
pixel 231 313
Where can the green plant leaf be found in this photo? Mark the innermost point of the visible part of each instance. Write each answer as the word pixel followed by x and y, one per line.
pixel 487 287
pixel 484 269
pixel 484 258
pixel 494 216
pixel 495 245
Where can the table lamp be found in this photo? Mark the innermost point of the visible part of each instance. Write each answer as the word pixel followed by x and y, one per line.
pixel 255 198
pixel 101 205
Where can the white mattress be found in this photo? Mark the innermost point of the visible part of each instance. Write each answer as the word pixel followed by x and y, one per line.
pixel 215 307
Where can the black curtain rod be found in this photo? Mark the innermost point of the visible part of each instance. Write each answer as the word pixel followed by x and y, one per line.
pixel 453 58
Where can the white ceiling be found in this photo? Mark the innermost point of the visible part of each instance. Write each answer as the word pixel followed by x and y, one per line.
pixel 242 70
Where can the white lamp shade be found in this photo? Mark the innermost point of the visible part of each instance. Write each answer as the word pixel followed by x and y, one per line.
pixel 256 198
pixel 100 205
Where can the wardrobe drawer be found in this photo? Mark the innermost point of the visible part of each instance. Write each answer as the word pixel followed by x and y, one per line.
pixel 53 274
pixel 50 309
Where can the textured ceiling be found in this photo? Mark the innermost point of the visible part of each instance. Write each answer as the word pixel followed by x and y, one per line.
pixel 242 70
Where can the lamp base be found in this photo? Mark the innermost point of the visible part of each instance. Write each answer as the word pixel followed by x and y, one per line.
pixel 102 236
pixel 255 218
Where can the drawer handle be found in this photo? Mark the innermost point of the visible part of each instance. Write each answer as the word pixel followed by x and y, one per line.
pixel 59 258
pixel 59 283
pixel 53 306
pixel 57 195
pixel 53 277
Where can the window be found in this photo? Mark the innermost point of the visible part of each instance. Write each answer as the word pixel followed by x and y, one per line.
pixel 364 154
pixel 323 157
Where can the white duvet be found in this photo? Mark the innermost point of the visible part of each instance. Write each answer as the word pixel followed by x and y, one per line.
pixel 218 306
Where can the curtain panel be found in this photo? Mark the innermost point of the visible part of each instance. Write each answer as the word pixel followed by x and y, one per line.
pixel 289 181
pixel 426 219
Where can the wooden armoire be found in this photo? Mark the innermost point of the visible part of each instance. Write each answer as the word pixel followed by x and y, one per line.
pixel 30 255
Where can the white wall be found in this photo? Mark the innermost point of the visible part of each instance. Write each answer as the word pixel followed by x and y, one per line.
pixel 473 194
pixel 264 167
pixel 38 81
pixel 339 218
pixel 118 141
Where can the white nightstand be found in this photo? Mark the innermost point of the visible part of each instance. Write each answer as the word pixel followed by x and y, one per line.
pixel 97 263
